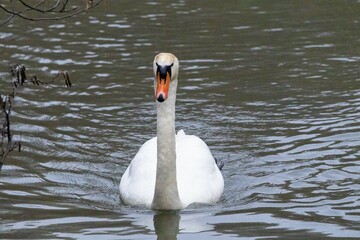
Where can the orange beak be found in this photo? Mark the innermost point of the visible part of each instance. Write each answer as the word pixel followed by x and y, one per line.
pixel 162 86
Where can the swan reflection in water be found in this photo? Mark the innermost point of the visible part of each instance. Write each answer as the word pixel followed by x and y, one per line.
pixel 168 224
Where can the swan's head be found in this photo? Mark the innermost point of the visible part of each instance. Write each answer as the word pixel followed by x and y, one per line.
pixel 166 68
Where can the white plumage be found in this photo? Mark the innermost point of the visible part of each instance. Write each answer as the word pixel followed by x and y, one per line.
pixel 198 177
pixel 181 167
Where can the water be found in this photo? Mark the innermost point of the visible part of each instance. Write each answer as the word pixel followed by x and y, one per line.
pixel 272 87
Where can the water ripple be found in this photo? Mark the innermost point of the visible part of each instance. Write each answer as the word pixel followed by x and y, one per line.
pixel 274 92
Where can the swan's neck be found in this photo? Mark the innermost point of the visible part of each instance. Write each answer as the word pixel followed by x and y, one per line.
pixel 166 194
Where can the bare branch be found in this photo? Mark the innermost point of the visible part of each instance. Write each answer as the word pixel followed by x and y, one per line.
pixel 6 144
pixel 17 71
pixel 65 76
pixel 73 12
pixel 35 7
pixel 13 15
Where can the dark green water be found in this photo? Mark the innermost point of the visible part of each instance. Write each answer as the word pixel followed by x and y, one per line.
pixel 272 87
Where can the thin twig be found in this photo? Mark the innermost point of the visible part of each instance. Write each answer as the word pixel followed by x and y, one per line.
pixel 32 8
pixel 13 15
pixel 20 14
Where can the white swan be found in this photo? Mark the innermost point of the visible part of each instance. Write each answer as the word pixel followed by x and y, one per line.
pixel 170 171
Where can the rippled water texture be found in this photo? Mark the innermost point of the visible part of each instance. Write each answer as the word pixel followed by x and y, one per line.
pixel 272 87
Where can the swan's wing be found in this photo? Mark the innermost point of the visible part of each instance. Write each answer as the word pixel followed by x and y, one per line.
pixel 180 133
pixel 199 178
pixel 138 182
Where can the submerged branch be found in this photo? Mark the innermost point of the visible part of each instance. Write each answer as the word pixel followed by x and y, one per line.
pixel 17 72
pixel 18 78
pixel 6 145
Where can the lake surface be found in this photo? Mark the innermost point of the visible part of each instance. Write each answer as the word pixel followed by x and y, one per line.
pixel 272 87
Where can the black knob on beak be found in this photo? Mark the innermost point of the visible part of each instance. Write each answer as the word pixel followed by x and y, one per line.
pixel 160 98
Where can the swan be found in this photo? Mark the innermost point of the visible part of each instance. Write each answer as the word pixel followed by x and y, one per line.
pixel 170 171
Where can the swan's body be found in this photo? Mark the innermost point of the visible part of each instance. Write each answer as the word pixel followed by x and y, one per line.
pixel 170 171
